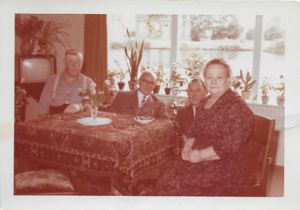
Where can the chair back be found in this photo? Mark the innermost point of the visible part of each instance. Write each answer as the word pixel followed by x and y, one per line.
pixel 260 154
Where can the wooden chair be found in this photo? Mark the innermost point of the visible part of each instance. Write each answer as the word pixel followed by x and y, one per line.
pixel 260 155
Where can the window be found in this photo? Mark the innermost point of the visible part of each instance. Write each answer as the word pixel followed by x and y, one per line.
pixel 251 43
pixel 153 29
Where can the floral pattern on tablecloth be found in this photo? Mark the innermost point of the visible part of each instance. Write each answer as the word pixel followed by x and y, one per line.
pixel 121 149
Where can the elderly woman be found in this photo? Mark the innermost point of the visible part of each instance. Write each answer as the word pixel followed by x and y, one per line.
pixel 215 160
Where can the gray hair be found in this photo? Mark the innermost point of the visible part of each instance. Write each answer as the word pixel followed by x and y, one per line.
pixel 149 73
pixel 74 52
pixel 218 61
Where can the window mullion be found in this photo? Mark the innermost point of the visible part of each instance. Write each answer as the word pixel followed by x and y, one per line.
pixel 174 39
pixel 257 51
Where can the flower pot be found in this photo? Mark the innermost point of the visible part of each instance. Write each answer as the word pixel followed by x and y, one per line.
pixel 132 85
pixel 156 89
pixel 167 90
pixel 280 100
pixel 181 83
pixel 121 85
pixel 246 94
pixel 264 99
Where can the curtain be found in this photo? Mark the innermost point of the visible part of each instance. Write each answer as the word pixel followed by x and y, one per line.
pixel 95 48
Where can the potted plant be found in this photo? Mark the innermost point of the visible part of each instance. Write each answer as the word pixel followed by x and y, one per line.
pixel 280 89
pixel 38 36
pixel 247 84
pixel 160 78
pixel 121 75
pixel 177 80
pixel 26 28
pixel 20 103
pixel 134 58
pixel 265 88
pixel 50 34
pixel 193 65
pixel 236 83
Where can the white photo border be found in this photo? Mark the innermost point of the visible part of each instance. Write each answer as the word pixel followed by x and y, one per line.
pixel 8 8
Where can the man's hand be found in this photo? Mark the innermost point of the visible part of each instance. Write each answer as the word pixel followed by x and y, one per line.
pixel 72 108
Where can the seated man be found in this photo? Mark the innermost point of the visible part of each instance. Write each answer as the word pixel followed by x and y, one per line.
pixel 141 101
pixel 185 116
pixel 61 91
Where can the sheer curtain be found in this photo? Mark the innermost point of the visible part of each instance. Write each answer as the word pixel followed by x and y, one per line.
pixel 95 48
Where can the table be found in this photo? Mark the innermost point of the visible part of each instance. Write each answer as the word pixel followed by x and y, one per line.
pixel 124 150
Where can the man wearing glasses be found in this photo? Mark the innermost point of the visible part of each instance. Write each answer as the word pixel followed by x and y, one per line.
pixel 140 102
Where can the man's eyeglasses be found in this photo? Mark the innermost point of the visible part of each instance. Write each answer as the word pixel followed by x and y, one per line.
pixel 148 81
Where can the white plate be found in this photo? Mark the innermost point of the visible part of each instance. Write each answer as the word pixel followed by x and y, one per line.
pixel 144 121
pixel 92 122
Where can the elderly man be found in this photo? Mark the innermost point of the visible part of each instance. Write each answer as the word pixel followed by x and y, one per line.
pixel 185 116
pixel 61 91
pixel 141 101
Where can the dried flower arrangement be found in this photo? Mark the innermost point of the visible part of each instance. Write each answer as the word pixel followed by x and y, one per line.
pixel 247 81
pixel 134 57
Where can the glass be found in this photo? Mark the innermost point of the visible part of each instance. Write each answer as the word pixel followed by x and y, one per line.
pixel 94 112
pixel 230 37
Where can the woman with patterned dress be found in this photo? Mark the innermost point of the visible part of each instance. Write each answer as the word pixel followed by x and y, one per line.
pixel 214 160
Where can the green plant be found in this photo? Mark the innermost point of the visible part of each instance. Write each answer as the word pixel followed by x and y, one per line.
pixel 177 78
pixel 280 87
pixel 193 64
pixel 236 83
pixel 120 74
pixel 265 87
pixel 26 28
pixel 134 57
pixel 160 75
pixel 20 102
pixel 46 33
pixel 247 81
pixel 92 98
pixel 49 34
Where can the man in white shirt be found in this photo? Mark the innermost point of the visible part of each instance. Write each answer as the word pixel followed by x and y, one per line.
pixel 61 91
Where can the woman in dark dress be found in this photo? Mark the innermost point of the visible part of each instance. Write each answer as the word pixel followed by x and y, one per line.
pixel 215 160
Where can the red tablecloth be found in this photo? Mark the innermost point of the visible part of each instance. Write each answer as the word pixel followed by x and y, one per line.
pixel 124 150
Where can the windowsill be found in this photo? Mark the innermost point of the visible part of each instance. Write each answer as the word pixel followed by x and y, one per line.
pixel 181 98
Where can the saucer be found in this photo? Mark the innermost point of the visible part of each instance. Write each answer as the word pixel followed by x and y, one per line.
pixel 144 119
pixel 93 122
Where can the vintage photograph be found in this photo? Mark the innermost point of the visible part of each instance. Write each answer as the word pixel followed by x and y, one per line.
pixel 149 104
pixel 132 104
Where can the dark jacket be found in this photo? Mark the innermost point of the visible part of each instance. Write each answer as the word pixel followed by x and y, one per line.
pixel 185 118
pixel 127 103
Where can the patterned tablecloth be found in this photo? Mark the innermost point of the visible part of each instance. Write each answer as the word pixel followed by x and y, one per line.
pixel 124 150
